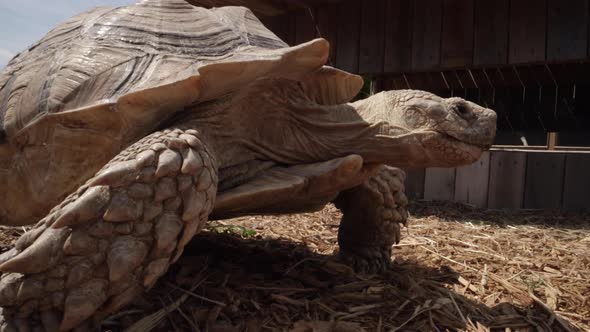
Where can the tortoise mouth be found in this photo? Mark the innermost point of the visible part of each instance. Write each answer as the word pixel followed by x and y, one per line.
pixel 456 140
pixel 452 151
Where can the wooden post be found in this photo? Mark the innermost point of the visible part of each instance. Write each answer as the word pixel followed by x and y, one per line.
pixel 551 140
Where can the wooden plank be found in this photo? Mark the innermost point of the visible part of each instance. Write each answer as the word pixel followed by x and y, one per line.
pixel 348 36
pixel 507 176
pixel 530 106
pixel 283 26
pixel 551 140
pixel 372 38
pixel 272 23
pixel 567 118
pixel 426 34
pixel 471 183
pixel 305 29
pixel 419 81
pixel 491 32
pixel 452 80
pixel 414 184
pixel 544 180
pixel 468 83
pixel 457 33
pixel 261 7
pixel 438 84
pixel 398 36
pixel 567 31
pixel 400 82
pixel 576 195
pixel 439 184
pixel 328 29
pixel 528 24
pixel 383 84
pixel 472 90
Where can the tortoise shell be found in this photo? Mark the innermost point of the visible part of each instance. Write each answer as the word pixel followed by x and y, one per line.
pixel 105 78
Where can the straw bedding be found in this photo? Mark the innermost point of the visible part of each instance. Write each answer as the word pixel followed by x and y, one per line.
pixel 457 268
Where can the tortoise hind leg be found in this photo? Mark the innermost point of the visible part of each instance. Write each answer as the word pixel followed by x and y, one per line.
pixel 372 214
pixel 113 238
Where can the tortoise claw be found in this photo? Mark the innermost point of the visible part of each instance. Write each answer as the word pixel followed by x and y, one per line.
pixel 369 260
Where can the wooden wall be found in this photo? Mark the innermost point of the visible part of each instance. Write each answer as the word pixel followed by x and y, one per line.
pixel 510 179
pixel 529 60
pixel 399 36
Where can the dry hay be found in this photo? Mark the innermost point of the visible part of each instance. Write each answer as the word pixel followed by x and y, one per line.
pixel 457 268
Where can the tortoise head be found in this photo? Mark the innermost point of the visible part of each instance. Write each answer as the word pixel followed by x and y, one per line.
pixel 428 130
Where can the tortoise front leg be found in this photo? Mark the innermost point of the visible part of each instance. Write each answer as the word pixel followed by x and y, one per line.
pixel 372 214
pixel 113 238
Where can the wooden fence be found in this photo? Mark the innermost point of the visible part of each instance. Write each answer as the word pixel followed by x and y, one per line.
pixel 529 60
pixel 510 179
pixel 400 36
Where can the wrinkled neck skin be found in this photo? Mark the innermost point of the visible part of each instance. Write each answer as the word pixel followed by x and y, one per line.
pixel 276 121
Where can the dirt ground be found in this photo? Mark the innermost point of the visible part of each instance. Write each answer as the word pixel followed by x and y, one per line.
pixel 457 268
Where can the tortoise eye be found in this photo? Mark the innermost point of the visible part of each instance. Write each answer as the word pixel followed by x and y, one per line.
pixel 463 111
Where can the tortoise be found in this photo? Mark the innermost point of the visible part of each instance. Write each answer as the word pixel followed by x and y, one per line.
pixel 124 130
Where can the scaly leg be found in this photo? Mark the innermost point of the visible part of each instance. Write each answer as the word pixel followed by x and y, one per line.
pixel 372 216
pixel 113 238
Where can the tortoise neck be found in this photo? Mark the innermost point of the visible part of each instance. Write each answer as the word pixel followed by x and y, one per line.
pixel 318 132
pixel 281 124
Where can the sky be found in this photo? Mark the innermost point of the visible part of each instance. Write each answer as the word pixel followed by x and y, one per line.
pixel 23 22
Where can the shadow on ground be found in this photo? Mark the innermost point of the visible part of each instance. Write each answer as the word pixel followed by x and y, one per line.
pixel 256 284
pixel 452 211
